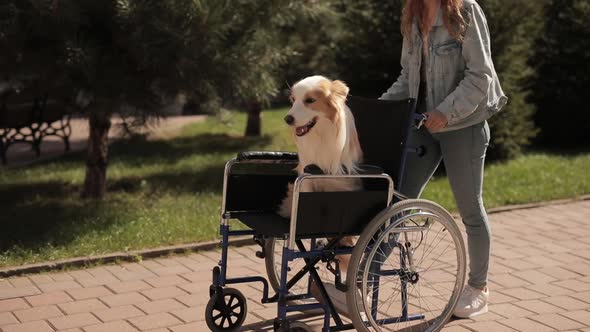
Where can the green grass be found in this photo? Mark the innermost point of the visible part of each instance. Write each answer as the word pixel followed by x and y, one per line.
pixel 169 191
pixel 534 177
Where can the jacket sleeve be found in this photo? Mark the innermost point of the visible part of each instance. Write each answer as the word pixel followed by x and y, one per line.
pixel 476 52
pixel 400 89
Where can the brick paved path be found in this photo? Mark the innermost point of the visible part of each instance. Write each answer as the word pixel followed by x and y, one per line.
pixel 540 281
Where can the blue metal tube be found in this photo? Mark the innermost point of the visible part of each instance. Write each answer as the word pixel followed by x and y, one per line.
pixel 404 283
pixel 317 253
pixel 283 292
pixel 312 247
pixel 375 298
pixel 225 232
pixel 386 273
pixel 224 249
pixel 252 279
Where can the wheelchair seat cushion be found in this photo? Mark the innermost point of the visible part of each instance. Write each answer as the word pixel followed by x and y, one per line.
pixel 320 214
pixel 265 223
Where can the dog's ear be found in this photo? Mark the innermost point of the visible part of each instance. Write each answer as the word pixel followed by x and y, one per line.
pixel 339 89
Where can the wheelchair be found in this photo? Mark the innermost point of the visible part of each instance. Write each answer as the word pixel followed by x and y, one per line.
pixel 406 269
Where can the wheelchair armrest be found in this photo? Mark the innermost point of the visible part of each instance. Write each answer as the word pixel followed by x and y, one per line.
pixel 361 170
pixel 267 155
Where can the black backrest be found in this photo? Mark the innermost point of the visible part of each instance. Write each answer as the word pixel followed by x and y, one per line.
pixel 258 186
pixel 382 126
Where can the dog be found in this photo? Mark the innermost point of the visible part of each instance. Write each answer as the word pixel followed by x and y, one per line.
pixel 325 134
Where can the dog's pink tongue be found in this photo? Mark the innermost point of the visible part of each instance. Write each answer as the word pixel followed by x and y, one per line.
pixel 300 130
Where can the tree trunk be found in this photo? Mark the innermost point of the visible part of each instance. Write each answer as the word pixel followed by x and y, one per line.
pixel 253 126
pixel 97 159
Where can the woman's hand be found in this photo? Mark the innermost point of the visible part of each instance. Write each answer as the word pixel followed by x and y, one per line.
pixel 435 121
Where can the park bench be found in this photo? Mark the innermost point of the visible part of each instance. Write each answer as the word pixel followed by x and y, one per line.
pixel 29 117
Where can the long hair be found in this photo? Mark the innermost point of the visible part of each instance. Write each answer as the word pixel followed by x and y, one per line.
pixel 453 17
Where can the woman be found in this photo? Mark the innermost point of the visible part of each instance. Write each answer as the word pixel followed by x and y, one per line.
pixel 447 65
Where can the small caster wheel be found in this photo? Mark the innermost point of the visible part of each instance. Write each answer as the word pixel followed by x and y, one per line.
pixel 226 311
pixel 299 327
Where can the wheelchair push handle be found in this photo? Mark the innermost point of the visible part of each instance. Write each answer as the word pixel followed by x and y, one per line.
pixel 419 120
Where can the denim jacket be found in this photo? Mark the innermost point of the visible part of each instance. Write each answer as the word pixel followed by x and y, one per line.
pixel 460 77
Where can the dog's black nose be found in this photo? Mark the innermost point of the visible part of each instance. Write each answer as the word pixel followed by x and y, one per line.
pixel 289 119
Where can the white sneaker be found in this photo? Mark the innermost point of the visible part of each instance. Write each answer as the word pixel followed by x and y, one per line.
pixel 472 302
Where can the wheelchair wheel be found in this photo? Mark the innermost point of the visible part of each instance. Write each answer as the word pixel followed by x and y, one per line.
pixel 226 311
pixel 407 269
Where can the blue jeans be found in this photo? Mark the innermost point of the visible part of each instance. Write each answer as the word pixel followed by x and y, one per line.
pixel 463 151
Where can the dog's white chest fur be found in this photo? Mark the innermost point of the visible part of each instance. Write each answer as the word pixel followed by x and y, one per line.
pixel 322 147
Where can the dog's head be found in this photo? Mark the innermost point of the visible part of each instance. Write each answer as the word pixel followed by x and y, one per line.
pixel 314 100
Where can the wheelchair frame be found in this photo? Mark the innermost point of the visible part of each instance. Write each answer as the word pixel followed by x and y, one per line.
pixel 290 252
pixel 294 248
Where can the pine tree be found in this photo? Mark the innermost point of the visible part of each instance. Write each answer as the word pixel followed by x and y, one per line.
pixel 258 35
pixel 559 91
pixel 369 48
pixel 311 43
pixel 513 35
pixel 134 55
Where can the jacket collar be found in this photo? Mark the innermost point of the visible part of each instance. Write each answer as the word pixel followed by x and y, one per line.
pixel 438 21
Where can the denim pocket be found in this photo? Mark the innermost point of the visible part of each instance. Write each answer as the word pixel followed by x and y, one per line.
pixel 448 55
pixel 451 47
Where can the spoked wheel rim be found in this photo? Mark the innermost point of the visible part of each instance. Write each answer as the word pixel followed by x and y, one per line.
pixel 228 312
pixel 432 275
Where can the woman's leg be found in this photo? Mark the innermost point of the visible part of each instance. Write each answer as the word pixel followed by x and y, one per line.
pixel 418 170
pixel 464 153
